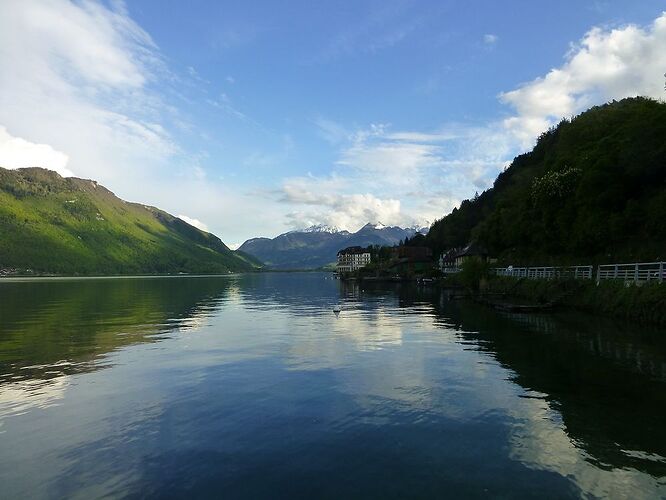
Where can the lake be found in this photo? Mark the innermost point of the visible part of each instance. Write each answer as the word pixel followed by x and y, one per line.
pixel 249 386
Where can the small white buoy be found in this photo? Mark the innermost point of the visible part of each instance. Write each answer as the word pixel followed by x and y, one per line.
pixel 336 310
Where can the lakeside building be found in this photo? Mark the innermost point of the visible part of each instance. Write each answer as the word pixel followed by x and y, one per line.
pixel 447 261
pixel 453 259
pixel 471 251
pixel 351 259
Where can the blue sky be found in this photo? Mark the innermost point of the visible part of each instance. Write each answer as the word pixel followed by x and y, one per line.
pixel 253 118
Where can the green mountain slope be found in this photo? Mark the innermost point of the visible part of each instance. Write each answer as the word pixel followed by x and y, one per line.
pixel 593 189
pixel 52 224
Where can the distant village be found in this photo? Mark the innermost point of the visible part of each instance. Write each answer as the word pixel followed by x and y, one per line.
pixel 403 261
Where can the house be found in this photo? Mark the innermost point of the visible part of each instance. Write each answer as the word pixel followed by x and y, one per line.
pixel 452 260
pixel 352 259
pixel 471 251
pixel 447 261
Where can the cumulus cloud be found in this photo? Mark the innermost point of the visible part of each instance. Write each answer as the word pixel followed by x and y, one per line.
pixel 319 200
pixel 350 211
pixel 604 65
pixel 399 177
pixel 193 222
pixel 19 153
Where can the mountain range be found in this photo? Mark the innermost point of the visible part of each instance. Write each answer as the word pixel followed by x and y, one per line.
pixel 317 246
pixel 55 225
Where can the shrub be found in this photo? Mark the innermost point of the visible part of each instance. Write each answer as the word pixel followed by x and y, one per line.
pixel 472 272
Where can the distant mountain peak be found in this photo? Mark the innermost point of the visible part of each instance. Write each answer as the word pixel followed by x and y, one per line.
pixel 374 225
pixel 418 228
pixel 318 228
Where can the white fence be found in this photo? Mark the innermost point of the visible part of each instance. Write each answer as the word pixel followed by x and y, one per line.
pixel 639 271
pixel 576 272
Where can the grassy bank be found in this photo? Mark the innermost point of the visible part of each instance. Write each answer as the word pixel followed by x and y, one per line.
pixel 645 303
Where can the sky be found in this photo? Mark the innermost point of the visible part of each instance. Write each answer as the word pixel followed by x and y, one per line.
pixel 254 118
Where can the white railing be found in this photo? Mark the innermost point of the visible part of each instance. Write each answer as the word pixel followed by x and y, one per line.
pixel 639 271
pixel 575 272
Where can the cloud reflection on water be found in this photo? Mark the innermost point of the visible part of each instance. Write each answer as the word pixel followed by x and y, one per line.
pixel 223 362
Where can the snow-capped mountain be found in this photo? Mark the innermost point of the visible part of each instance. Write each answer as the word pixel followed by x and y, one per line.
pixel 318 245
pixel 318 228
pixel 375 225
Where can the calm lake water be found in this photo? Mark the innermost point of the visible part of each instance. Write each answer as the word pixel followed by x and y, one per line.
pixel 249 386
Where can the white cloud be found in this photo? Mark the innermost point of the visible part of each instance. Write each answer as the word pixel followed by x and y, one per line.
pixel 396 177
pixel 229 210
pixel 382 158
pixel 427 137
pixel 412 158
pixel 84 80
pixel 604 65
pixel 194 222
pixel 397 162
pixel 19 153
pixel 350 212
pixel 490 39
pixel 322 201
pixel 75 76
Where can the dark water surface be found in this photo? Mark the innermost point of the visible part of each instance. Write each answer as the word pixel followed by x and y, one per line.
pixel 249 386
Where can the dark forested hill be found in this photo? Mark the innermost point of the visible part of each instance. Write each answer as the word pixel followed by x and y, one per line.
pixel 593 188
pixel 51 224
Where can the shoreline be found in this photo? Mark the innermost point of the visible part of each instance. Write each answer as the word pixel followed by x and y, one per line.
pixel 39 277
pixel 645 303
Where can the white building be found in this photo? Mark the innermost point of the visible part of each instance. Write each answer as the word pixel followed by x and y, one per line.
pixel 352 258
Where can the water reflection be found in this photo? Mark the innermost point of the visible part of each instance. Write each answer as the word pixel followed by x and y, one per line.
pixel 159 387
pixel 609 403
pixel 52 329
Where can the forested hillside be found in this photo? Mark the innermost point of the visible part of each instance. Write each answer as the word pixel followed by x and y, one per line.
pixel 51 224
pixel 592 189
